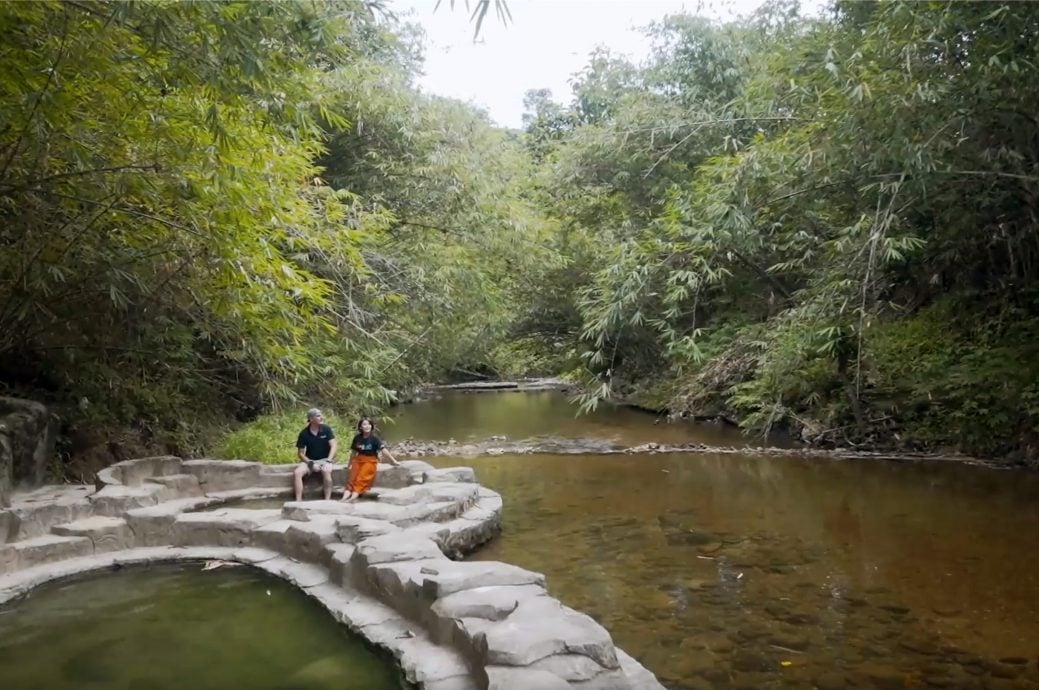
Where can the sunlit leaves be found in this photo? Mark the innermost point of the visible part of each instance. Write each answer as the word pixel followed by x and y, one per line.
pixel 804 184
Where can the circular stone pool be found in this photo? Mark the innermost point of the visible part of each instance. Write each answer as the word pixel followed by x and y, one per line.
pixel 176 626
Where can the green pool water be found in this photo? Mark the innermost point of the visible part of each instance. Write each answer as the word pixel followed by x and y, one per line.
pixel 175 627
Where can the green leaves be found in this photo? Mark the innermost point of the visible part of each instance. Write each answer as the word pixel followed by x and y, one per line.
pixel 157 183
pixel 787 189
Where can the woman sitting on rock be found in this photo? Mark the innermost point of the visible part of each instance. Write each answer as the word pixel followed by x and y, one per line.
pixel 365 451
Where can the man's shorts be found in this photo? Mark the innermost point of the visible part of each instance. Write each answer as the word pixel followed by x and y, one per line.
pixel 312 466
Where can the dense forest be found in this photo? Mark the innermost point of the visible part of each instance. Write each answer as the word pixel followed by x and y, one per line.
pixel 824 226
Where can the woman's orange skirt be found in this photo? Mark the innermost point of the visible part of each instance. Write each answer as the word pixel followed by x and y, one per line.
pixel 362 473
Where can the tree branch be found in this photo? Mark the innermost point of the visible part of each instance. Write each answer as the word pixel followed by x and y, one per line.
pixel 11 189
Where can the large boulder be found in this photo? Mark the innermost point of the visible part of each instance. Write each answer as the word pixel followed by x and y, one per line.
pixel 27 437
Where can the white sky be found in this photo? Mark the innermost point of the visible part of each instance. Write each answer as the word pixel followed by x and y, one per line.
pixel 545 43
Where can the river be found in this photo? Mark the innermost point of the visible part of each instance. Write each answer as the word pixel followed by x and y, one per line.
pixel 741 571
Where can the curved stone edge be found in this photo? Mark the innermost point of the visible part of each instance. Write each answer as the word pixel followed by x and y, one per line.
pixel 395 551
pixel 423 664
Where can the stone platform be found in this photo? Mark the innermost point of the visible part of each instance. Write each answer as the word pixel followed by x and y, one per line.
pixel 382 567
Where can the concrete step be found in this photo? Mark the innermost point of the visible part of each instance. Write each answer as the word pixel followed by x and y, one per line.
pixel 34 514
pixel 177 485
pixel 106 533
pixel 116 499
pixel 39 550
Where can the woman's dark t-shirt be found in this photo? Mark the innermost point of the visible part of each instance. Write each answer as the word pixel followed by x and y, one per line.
pixel 366 446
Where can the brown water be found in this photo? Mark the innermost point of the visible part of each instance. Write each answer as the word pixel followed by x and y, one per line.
pixel 174 627
pixel 730 571
pixel 519 416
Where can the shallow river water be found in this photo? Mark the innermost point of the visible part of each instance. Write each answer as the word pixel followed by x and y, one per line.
pixel 736 571
pixel 717 571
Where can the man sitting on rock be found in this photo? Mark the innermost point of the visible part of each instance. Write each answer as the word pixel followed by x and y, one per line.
pixel 316 446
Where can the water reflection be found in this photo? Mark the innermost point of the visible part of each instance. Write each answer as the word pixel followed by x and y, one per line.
pixel 517 416
pixel 735 571
pixel 173 627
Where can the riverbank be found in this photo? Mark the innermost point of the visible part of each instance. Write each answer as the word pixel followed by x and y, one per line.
pixel 653 404
pixel 502 446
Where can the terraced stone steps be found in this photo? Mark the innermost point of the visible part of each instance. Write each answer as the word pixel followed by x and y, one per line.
pixel 105 533
pixel 382 567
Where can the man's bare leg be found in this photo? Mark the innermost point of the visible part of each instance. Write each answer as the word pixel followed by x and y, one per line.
pixel 326 480
pixel 297 480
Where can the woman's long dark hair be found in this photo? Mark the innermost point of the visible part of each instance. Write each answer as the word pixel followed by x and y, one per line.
pixel 362 420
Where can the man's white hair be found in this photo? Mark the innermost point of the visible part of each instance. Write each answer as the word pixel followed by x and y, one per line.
pixel 313 412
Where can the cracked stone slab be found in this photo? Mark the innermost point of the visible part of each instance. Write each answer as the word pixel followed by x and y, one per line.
pixel 253 555
pixel 178 485
pixel 438 532
pixel 461 536
pixel 460 682
pixel 465 494
pixel 8 559
pixel 34 515
pixel 390 633
pixel 354 529
pixel 462 493
pixel 493 603
pixel 226 527
pixel 117 499
pixel 365 611
pixel 490 500
pixel 333 597
pixel 577 668
pixel 416 493
pixel 273 535
pixel 8 526
pixel 302 511
pixel 456 576
pixel 413 514
pixel 402 515
pixel 511 678
pixel 307 540
pixel 280 477
pixel 106 533
pixel 340 560
pixel 303 575
pixel 133 472
pixel 424 662
pixel 395 547
pixel 152 526
pixel 277 476
pixel 400 583
pixel 224 475
pixel 542 627
pixel 50 548
pixel 245 494
pixel 451 474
